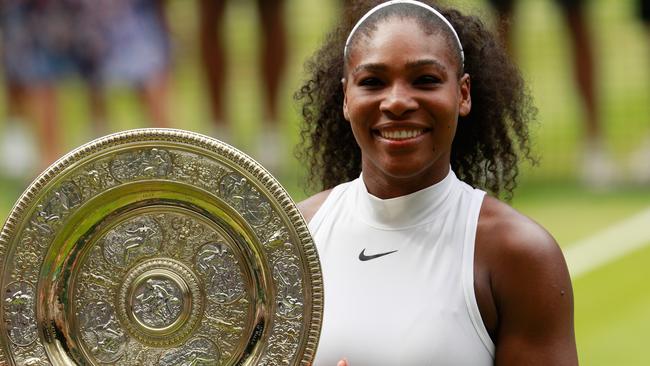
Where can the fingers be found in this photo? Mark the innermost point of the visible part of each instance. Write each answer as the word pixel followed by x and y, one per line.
pixel 343 362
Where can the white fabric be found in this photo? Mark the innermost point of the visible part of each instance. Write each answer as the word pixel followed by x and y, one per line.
pixel 415 306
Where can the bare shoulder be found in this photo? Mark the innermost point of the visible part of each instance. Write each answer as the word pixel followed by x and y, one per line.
pixel 310 206
pixel 529 286
pixel 509 232
pixel 516 251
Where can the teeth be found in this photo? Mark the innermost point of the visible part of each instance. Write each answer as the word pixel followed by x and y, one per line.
pixel 401 134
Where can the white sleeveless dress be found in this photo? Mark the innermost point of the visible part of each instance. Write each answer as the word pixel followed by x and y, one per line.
pixel 398 277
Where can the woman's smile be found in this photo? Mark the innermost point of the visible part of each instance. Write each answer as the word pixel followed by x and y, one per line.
pixel 399 133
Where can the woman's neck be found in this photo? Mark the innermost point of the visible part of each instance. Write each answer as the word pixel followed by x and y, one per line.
pixel 385 186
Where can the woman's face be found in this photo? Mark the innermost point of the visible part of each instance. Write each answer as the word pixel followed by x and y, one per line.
pixel 402 99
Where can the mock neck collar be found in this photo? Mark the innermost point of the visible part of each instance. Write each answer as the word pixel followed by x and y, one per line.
pixel 404 211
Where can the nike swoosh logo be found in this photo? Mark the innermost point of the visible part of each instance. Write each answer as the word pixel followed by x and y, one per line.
pixel 363 257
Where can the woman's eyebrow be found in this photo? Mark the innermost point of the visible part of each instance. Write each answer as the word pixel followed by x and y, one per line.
pixel 371 66
pixel 425 62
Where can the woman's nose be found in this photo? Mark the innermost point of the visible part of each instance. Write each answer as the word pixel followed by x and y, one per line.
pixel 398 101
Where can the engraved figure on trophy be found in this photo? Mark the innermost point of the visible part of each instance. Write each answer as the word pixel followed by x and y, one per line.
pixel 195 169
pixel 186 232
pixel 40 224
pixel 152 163
pixel 89 182
pixel 287 276
pixel 55 207
pixel 101 332
pixel 221 273
pixel 68 196
pixel 197 352
pixel 35 361
pixel 245 199
pixel 138 237
pixel 158 163
pixel 186 228
pixel 19 313
pixel 158 303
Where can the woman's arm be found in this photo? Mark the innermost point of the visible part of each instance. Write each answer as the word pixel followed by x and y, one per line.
pixel 530 287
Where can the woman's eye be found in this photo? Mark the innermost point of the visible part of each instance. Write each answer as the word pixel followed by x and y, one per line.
pixel 427 80
pixel 370 82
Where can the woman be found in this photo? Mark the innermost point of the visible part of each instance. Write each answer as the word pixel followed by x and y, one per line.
pixel 407 109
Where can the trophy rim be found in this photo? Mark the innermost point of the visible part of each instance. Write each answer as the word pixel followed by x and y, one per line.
pixel 284 202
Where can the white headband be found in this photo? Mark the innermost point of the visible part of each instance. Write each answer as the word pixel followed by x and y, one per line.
pixel 412 2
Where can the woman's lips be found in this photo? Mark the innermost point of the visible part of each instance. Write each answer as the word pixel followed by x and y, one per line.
pixel 400 134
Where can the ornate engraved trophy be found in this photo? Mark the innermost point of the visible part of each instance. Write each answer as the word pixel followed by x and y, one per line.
pixel 158 247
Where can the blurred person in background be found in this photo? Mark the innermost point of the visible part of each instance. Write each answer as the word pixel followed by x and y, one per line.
pixel 33 60
pixel 597 168
pixel 273 57
pixel 640 160
pixel 18 148
pixel 102 41
pixel 138 51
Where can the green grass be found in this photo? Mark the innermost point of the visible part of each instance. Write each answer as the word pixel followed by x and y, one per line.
pixel 613 313
pixel 612 302
pixel 572 213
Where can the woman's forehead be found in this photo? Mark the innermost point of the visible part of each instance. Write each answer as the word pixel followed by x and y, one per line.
pixel 399 35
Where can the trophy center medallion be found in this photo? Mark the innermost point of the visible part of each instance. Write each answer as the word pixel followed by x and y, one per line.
pixel 160 302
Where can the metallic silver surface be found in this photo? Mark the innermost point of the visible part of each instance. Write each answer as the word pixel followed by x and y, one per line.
pixel 158 247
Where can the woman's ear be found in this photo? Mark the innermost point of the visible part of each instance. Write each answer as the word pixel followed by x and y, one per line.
pixel 344 84
pixel 465 103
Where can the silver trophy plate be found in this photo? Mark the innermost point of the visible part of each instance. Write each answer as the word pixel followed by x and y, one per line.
pixel 158 247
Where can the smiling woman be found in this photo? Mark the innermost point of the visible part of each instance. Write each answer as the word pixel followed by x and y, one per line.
pixel 411 114
pixel 490 141
pixel 403 97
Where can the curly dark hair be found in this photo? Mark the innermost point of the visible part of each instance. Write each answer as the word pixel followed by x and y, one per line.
pixel 489 142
